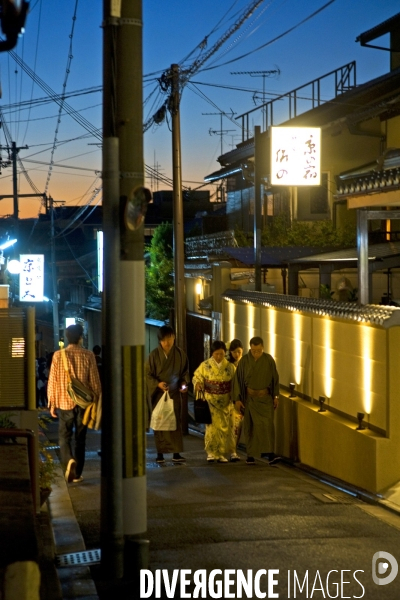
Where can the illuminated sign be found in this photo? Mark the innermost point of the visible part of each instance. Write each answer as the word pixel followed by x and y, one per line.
pixel 31 278
pixel 295 155
pixel 100 261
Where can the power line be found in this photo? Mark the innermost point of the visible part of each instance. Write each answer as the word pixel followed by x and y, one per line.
pixel 281 35
pixel 67 72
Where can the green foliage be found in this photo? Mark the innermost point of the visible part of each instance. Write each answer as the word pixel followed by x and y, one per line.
pixel 242 239
pixel 159 273
pixel 5 420
pixel 352 295
pixel 325 292
pixel 320 234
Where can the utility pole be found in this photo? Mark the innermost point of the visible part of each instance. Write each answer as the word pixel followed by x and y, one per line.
pixel 13 153
pixel 123 510
pixel 111 522
pixel 179 248
pixel 56 323
pixel 133 198
pixel 179 251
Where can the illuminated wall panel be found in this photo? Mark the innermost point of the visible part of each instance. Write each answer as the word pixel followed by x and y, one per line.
pixel 241 321
pixel 287 337
pixel 356 356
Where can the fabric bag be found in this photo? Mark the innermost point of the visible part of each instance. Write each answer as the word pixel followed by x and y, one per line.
pixel 163 416
pixel 79 393
pixel 202 413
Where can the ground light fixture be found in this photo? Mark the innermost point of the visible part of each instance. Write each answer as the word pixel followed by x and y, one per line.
pixel 322 401
pixel 291 390
pixel 360 418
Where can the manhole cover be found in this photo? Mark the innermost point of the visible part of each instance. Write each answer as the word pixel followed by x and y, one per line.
pixel 336 498
pixel 74 559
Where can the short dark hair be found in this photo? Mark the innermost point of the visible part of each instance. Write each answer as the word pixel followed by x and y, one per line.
pixel 97 349
pixel 257 341
pixel 217 345
pixel 164 332
pixel 74 333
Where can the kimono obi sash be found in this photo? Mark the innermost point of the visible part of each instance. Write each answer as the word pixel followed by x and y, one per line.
pixel 217 387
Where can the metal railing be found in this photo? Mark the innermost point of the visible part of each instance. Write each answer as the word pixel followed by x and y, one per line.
pixel 301 99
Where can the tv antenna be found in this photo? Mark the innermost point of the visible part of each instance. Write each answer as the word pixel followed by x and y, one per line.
pixel 221 131
pixel 264 75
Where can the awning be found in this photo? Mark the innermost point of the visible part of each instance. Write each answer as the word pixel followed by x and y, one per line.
pixel 272 256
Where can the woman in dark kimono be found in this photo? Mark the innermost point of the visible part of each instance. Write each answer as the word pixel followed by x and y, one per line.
pixel 167 368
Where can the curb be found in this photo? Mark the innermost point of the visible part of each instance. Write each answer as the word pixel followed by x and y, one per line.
pixel 76 581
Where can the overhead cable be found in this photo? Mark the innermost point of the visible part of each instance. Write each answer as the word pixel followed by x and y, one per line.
pixel 281 35
pixel 67 72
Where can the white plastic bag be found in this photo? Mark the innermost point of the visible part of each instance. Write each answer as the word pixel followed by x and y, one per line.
pixel 163 416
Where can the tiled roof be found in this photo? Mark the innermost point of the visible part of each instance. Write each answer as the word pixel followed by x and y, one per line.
pixel 386 316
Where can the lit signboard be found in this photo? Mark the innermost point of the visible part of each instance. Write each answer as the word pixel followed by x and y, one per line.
pixel 295 155
pixel 31 278
pixel 100 261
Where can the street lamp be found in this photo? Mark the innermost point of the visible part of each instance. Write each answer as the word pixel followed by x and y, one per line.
pixel 13 267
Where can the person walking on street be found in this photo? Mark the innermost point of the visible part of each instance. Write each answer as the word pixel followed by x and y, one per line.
pixel 214 377
pixel 236 418
pixel 82 365
pixel 256 393
pixel 167 370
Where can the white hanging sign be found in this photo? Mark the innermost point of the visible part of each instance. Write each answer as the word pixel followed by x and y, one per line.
pixel 31 278
pixel 295 156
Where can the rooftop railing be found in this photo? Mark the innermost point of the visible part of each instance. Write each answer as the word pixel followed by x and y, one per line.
pixel 298 101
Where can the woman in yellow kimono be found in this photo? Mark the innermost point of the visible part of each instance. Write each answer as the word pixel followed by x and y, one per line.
pixel 214 377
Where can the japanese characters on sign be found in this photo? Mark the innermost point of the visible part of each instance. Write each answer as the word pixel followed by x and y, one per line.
pixel 295 155
pixel 31 278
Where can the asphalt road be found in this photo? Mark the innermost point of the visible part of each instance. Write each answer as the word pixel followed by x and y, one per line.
pixel 290 529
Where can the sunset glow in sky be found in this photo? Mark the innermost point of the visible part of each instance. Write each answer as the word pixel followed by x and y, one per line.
pixel 172 32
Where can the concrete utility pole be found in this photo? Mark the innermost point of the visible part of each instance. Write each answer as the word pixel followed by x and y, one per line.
pixel 56 323
pixel 111 527
pixel 179 249
pixel 129 123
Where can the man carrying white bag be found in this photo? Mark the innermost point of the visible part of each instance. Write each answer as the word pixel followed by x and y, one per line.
pixel 167 370
pixel 163 416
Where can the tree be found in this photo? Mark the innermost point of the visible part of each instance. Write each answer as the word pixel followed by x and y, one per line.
pixel 159 273
pixel 320 234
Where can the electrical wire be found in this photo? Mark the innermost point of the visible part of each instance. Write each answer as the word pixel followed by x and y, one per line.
pixel 34 65
pixel 278 37
pixel 67 72
pixel 90 278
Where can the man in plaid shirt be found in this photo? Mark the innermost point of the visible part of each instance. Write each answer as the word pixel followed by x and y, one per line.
pixel 82 365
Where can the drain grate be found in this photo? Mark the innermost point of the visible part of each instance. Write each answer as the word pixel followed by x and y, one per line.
pixel 336 498
pixel 78 559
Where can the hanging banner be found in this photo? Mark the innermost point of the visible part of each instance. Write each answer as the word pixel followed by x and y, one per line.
pixel 295 155
pixel 31 278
